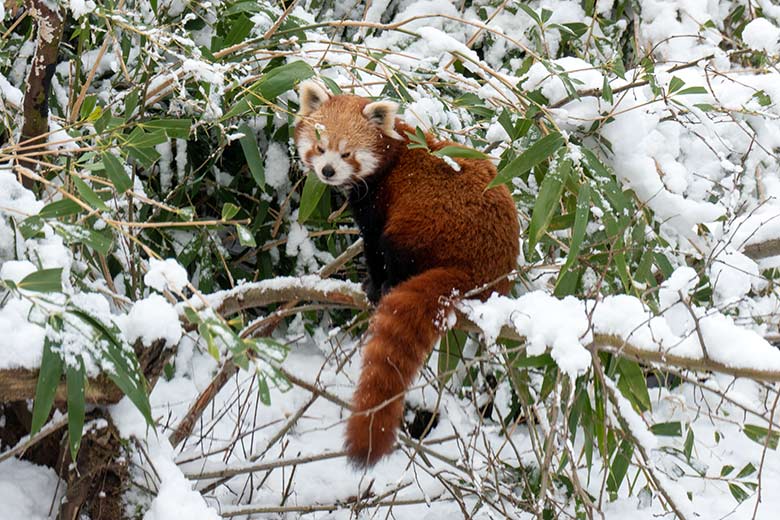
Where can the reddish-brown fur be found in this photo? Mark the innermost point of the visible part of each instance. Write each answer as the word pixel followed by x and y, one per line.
pixel 455 234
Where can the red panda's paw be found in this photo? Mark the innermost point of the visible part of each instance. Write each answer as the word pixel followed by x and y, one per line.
pixel 371 435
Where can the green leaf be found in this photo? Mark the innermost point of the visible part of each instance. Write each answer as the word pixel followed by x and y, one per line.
pixel 450 354
pixel 45 280
pixel 88 194
pixel 619 467
pixel 173 128
pixel 530 12
pixel 100 241
pixel 59 208
pixel 725 470
pixel 273 83
pixel 75 383
pixel 240 29
pixel 313 189
pixel 689 444
pixel 88 106
pixel 229 210
pixel 547 200
pixel 759 435
pixel 525 361
pixel 505 120
pixel 746 471
pixel 536 153
pixel 48 379
pixel 30 226
pixel 606 91
pixel 245 236
pixel 581 217
pixel 667 429
pixel 263 391
pixel 763 98
pixel 116 172
pixel 126 373
pixel 139 138
pixel 692 90
pixel 146 156
pixel 675 85
pixel 332 85
pixel 739 494
pixel 252 155
pixel 632 384
pixel 460 151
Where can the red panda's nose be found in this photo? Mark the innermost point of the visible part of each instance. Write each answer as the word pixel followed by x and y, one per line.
pixel 328 171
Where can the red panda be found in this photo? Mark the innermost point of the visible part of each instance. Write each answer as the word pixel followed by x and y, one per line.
pixel 431 232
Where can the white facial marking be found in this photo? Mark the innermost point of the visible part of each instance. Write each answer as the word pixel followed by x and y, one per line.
pixel 342 170
pixel 304 147
pixel 368 162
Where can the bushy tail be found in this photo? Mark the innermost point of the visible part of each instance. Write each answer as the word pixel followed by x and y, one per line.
pixel 405 327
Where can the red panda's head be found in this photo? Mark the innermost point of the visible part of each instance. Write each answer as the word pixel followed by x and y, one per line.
pixel 343 138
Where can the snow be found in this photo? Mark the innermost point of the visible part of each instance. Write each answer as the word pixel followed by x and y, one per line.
pixel 733 275
pixel 81 7
pixel 9 93
pixel 176 497
pixel 28 490
pixel 277 166
pixel 166 274
pixel 21 341
pixel 151 319
pixel 762 35
pixel 16 270
pixel 538 316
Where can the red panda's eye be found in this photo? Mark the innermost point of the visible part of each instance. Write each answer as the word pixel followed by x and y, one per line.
pixel 320 149
pixel 345 155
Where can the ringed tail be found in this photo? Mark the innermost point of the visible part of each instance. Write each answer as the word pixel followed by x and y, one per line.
pixel 406 325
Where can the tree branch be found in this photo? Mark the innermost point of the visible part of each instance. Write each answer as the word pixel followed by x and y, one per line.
pixel 36 101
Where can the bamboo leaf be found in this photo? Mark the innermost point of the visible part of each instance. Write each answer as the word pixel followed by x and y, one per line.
pixel 48 378
pixel 252 155
pixel 450 353
pixel 460 151
pixel 59 208
pixel 45 280
pixel 75 384
pixel 667 429
pixel 759 434
pixel 88 194
pixel 313 190
pixel 547 200
pixel 116 172
pixel 272 83
pixel 581 217
pixel 245 236
pixel 229 210
pixel 536 153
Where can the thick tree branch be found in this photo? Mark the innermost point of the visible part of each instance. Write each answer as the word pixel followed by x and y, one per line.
pixel 50 24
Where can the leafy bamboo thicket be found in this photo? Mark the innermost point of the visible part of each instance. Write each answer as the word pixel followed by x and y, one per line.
pixel 169 136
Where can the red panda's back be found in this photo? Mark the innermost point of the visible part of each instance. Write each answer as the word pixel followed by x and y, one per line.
pixel 445 217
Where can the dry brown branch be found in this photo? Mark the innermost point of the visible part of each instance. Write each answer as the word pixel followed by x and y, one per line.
pixel 241 469
pixel 18 384
pixel 763 249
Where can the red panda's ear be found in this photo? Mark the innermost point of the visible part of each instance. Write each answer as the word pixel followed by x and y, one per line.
pixel 312 96
pixel 382 114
